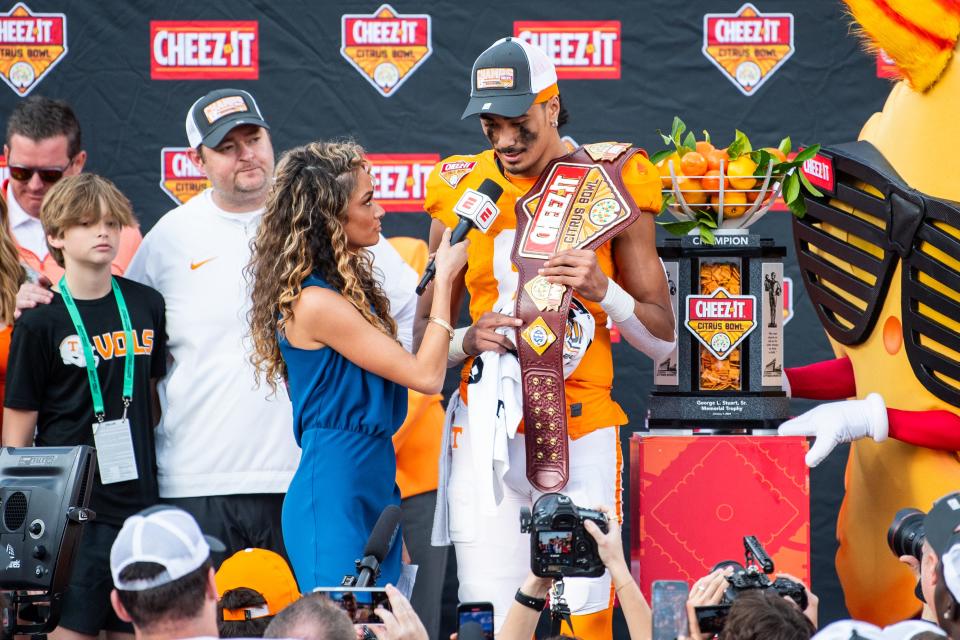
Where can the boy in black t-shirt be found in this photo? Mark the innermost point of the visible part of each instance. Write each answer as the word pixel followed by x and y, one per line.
pixel 117 324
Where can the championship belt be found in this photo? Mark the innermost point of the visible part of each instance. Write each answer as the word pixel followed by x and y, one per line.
pixel 579 202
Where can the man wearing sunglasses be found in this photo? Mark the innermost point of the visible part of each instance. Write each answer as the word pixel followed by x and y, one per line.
pixel 43 144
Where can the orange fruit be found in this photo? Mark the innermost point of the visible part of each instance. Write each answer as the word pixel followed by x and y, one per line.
pixel 693 164
pixel 711 181
pixel 664 168
pixel 740 173
pixel 776 153
pixel 704 147
pixel 734 204
pixel 692 191
pixel 714 157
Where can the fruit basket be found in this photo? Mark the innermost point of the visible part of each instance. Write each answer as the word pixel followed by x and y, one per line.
pixel 709 190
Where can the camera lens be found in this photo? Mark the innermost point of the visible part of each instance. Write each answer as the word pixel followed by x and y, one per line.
pixel 906 534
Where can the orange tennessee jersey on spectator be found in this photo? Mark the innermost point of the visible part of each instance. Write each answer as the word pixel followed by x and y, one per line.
pixel 417 442
pixel 589 405
pixel 129 241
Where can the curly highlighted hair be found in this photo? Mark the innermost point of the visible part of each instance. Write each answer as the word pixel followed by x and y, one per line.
pixel 302 232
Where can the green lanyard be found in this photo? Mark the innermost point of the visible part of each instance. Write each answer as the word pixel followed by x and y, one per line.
pixel 92 376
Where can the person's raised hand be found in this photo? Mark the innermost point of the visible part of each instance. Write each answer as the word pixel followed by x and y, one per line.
pixel 400 624
pixel 813 602
pixel 449 259
pixel 483 335
pixel 609 544
pixel 30 295
pixel 577 268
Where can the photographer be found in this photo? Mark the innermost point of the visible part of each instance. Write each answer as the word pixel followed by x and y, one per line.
pixel 755 614
pixel 530 599
pixel 938 565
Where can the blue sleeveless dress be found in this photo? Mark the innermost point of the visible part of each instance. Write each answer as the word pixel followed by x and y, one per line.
pixel 343 419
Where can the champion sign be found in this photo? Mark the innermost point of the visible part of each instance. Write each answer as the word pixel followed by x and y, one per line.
pixel 748 46
pixel 580 49
pixel 400 179
pixel 179 177
pixel 204 50
pixel 30 45
pixel 386 47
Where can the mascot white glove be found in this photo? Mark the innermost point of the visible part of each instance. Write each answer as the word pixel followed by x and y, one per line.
pixel 839 422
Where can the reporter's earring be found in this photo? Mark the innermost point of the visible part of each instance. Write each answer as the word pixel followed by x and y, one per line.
pixel 554 124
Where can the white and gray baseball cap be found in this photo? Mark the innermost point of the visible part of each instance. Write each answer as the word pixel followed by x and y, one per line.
pixel 214 115
pixel 507 77
pixel 164 535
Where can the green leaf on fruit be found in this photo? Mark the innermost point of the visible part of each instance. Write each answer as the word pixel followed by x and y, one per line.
pixel 663 153
pixel 791 188
pixel 785 145
pixel 689 143
pixel 707 236
pixel 812 190
pixel 806 154
pixel 679 228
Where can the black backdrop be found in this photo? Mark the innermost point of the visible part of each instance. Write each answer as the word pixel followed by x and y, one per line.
pixel 308 90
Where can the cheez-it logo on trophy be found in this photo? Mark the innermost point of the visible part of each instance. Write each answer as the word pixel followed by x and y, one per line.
pixel 580 49
pixel 386 47
pixel 748 46
pixel 179 177
pixel 204 50
pixel 30 45
pixel 400 179
pixel 721 321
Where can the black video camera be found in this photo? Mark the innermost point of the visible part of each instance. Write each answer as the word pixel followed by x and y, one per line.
pixel 560 547
pixel 754 576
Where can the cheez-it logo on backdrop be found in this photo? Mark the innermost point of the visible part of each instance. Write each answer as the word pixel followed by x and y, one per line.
pixel 204 50
pixel 748 46
pixel 179 177
pixel 580 49
pixel 400 179
pixel 386 47
pixel 30 45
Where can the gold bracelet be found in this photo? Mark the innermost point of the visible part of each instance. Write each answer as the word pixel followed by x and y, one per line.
pixel 443 323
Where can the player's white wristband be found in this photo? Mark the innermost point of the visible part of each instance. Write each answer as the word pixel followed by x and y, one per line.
pixel 455 352
pixel 618 304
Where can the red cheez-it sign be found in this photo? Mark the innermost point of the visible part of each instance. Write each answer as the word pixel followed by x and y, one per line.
pixel 400 179
pixel 580 49
pixel 544 235
pixel 204 50
pixel 819 171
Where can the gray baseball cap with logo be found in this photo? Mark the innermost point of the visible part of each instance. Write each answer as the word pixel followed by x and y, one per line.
pixel 507 77
pixel 214 115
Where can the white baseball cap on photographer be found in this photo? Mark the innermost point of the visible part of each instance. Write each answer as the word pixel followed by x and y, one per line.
pixel 163 535
pixel 847 629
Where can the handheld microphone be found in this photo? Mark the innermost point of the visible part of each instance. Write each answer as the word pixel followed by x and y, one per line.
pixel 378 546
pixel 477 210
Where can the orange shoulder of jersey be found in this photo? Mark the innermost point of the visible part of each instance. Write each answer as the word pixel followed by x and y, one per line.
pixel 455 174
pixel 642 180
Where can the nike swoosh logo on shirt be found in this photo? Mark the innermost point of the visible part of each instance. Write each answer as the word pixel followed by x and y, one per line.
pixel 196 265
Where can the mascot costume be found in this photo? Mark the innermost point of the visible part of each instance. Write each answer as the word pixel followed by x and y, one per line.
pixel 880 258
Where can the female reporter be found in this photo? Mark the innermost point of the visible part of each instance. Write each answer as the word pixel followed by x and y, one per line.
pixel 321 322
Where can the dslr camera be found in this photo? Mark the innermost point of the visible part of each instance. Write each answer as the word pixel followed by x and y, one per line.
pixel 907 533
pixel 560 547
pixel 746 578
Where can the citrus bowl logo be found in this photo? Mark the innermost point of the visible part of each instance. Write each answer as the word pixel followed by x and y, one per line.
pixel 580 49
pixel 179 177
pixel 385 47
pixel 721 321
pixel 748 46
pixel 30 45
pixel 400 179
pixel 204 50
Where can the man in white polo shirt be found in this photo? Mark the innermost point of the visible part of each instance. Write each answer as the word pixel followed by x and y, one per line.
pixel 225 446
